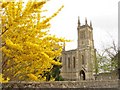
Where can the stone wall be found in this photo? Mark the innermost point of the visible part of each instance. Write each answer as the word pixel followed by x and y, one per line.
pixel 64 84
pixel 107 76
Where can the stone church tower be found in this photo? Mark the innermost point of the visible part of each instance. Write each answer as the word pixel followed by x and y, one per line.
pixel 78 64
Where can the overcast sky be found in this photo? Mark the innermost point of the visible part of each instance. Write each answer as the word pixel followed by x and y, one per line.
pixel 102 13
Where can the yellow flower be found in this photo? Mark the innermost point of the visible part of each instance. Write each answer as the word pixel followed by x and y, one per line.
pixel 33 77
pixel 2 80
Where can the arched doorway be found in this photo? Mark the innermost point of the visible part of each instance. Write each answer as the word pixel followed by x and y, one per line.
pixel 82 75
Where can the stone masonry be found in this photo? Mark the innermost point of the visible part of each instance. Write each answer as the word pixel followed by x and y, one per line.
pixel 78 64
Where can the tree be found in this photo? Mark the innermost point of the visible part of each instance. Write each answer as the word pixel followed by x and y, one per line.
pixel 108 59
pixel 118 63
pixel 54 73
pixel 27 49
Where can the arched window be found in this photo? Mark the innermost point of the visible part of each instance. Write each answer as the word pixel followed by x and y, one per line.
pixel 82 75
pixel 73 62
pixel 83 60
pixel 68 62
pixel 60 59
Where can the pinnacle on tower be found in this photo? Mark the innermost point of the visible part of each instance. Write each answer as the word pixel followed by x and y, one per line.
pixel 78 21
pixel 64 46
pixel 90 23
pixel 85 21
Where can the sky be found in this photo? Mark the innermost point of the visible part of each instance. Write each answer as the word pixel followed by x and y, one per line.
pixel 102 13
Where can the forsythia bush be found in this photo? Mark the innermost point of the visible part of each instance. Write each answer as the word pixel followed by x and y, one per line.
pixel 28 50
pixel 2 79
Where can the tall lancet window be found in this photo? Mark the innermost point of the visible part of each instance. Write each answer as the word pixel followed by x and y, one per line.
pixel 68 62
pixel 73 62
pixel 60 59
pixel 83 62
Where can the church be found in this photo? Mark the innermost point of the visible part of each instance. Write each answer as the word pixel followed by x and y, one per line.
pixel 79 64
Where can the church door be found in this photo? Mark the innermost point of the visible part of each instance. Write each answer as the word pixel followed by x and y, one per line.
pixel 82 75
